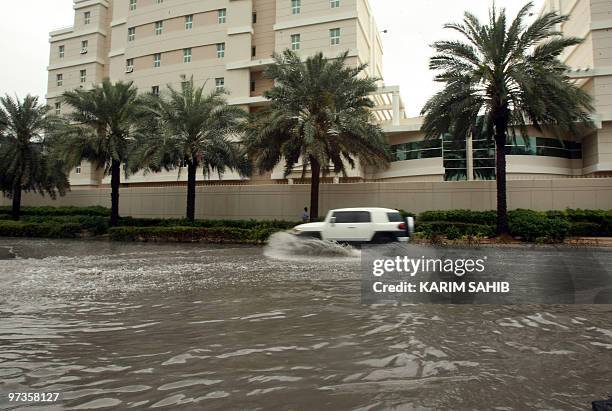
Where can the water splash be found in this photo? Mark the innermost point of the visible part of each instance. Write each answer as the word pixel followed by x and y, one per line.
pixel 285 246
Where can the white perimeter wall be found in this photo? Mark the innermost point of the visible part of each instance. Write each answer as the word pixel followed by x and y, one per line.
pixel 287 201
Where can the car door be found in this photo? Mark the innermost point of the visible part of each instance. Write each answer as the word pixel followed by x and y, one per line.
pixel 352 226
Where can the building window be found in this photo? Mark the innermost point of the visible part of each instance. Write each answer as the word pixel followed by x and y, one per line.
pixel 186 55
pixel 155 90
pixel 62 51
pixel 159 1
pixel 132 5
pixel 132 34
pixel 334 3
pixel 296 6
pixel 253 51
pixel 295 41
pixel 159 27
pixel 59 80
pixel 222 16
pixel 84 46
pixel 58 109
pixel 189 22
pixel 77 170
pixel 129 65
pixel 254 17
pixel 219 83
pixel 253 84
pixel 334 36
pixel 87 17
pixel 83 76
pixel 157 60
pixel 220 50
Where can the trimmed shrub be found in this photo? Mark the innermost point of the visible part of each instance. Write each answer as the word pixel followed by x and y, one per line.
pixel 47 230
pixel 243 224
pixel 406 214
pixel 96 225
pixel 461 216
pixel 181 234
pixel 59 211
pixel 583 229
pixel 533 225
pixel 452 230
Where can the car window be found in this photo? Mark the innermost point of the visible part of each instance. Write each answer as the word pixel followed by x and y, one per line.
pixel 352 217
pixel 395 217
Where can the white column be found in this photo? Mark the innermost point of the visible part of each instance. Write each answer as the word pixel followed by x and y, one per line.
pixel 396 108
pixel 469 156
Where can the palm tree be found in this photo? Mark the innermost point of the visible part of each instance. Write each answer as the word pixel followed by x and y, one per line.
pixel 100 129
pixel 319 115
pixel 194 129
pixel 511 75
pixel 26 163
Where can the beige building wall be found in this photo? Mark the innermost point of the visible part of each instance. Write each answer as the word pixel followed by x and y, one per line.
pixel 253 201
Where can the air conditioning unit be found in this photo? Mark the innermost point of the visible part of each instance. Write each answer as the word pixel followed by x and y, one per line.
pixel 129 69
pixel 84 50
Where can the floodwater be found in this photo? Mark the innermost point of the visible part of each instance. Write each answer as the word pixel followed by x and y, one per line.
pixel 117 326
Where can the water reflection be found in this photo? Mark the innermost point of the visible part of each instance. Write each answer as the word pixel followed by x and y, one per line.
pixel 189 327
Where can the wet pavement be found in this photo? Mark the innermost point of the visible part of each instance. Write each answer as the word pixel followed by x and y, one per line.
pixel 116 326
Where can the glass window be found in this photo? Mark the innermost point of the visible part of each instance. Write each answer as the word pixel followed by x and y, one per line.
pixel 189 22
pixel 155 90
pixel 58 108
pixel 219 83
pixel 129 65
pixel 84 46
pixel 295 41
pixel 253 51
pixel 62 51
pixel 159 27
pixel 334 35
pixel 159 1
pixel 59 80
pixel 77 170
pixel 395 217
pixel 83 76
pixel 186 55
pixel 296 6
pixel 132 34
pixel 254 17
pixel 132 5
pixel 222 16
pixel 346 217
pixel 157 60
pixel 220 50
pixel 334 3
pixel 87 17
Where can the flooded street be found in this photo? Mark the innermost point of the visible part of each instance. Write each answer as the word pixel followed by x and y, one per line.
pixel 110 325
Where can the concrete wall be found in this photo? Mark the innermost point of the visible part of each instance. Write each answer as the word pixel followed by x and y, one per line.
pixel 286 201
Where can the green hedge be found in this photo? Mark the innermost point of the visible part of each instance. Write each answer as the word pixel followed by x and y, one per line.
pixel 243 224
pixel 48 230
pixel 190 234
pixel 532 226
pixel 460 216
pixel 453 230
pixel 59 211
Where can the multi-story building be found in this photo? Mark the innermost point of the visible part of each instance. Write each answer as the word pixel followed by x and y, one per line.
pixel 229 43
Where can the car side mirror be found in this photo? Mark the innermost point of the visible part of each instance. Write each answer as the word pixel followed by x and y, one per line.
pixel 332 220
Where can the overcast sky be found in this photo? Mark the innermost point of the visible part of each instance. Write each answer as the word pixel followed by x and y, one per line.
pixel 412 26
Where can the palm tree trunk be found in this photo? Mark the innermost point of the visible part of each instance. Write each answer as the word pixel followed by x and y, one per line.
pixel 115 182
pixel 16 210
pixel 315 181
pixel 192 168
pixel 500 162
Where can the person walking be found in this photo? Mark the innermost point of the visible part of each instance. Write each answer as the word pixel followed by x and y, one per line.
pixel 305 215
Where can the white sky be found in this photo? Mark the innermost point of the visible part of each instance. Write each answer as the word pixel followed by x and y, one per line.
pixel 412 26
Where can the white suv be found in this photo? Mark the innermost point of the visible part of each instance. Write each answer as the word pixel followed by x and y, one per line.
pixel 360 225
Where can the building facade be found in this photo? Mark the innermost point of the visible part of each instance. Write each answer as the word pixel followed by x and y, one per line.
pixel 228 44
